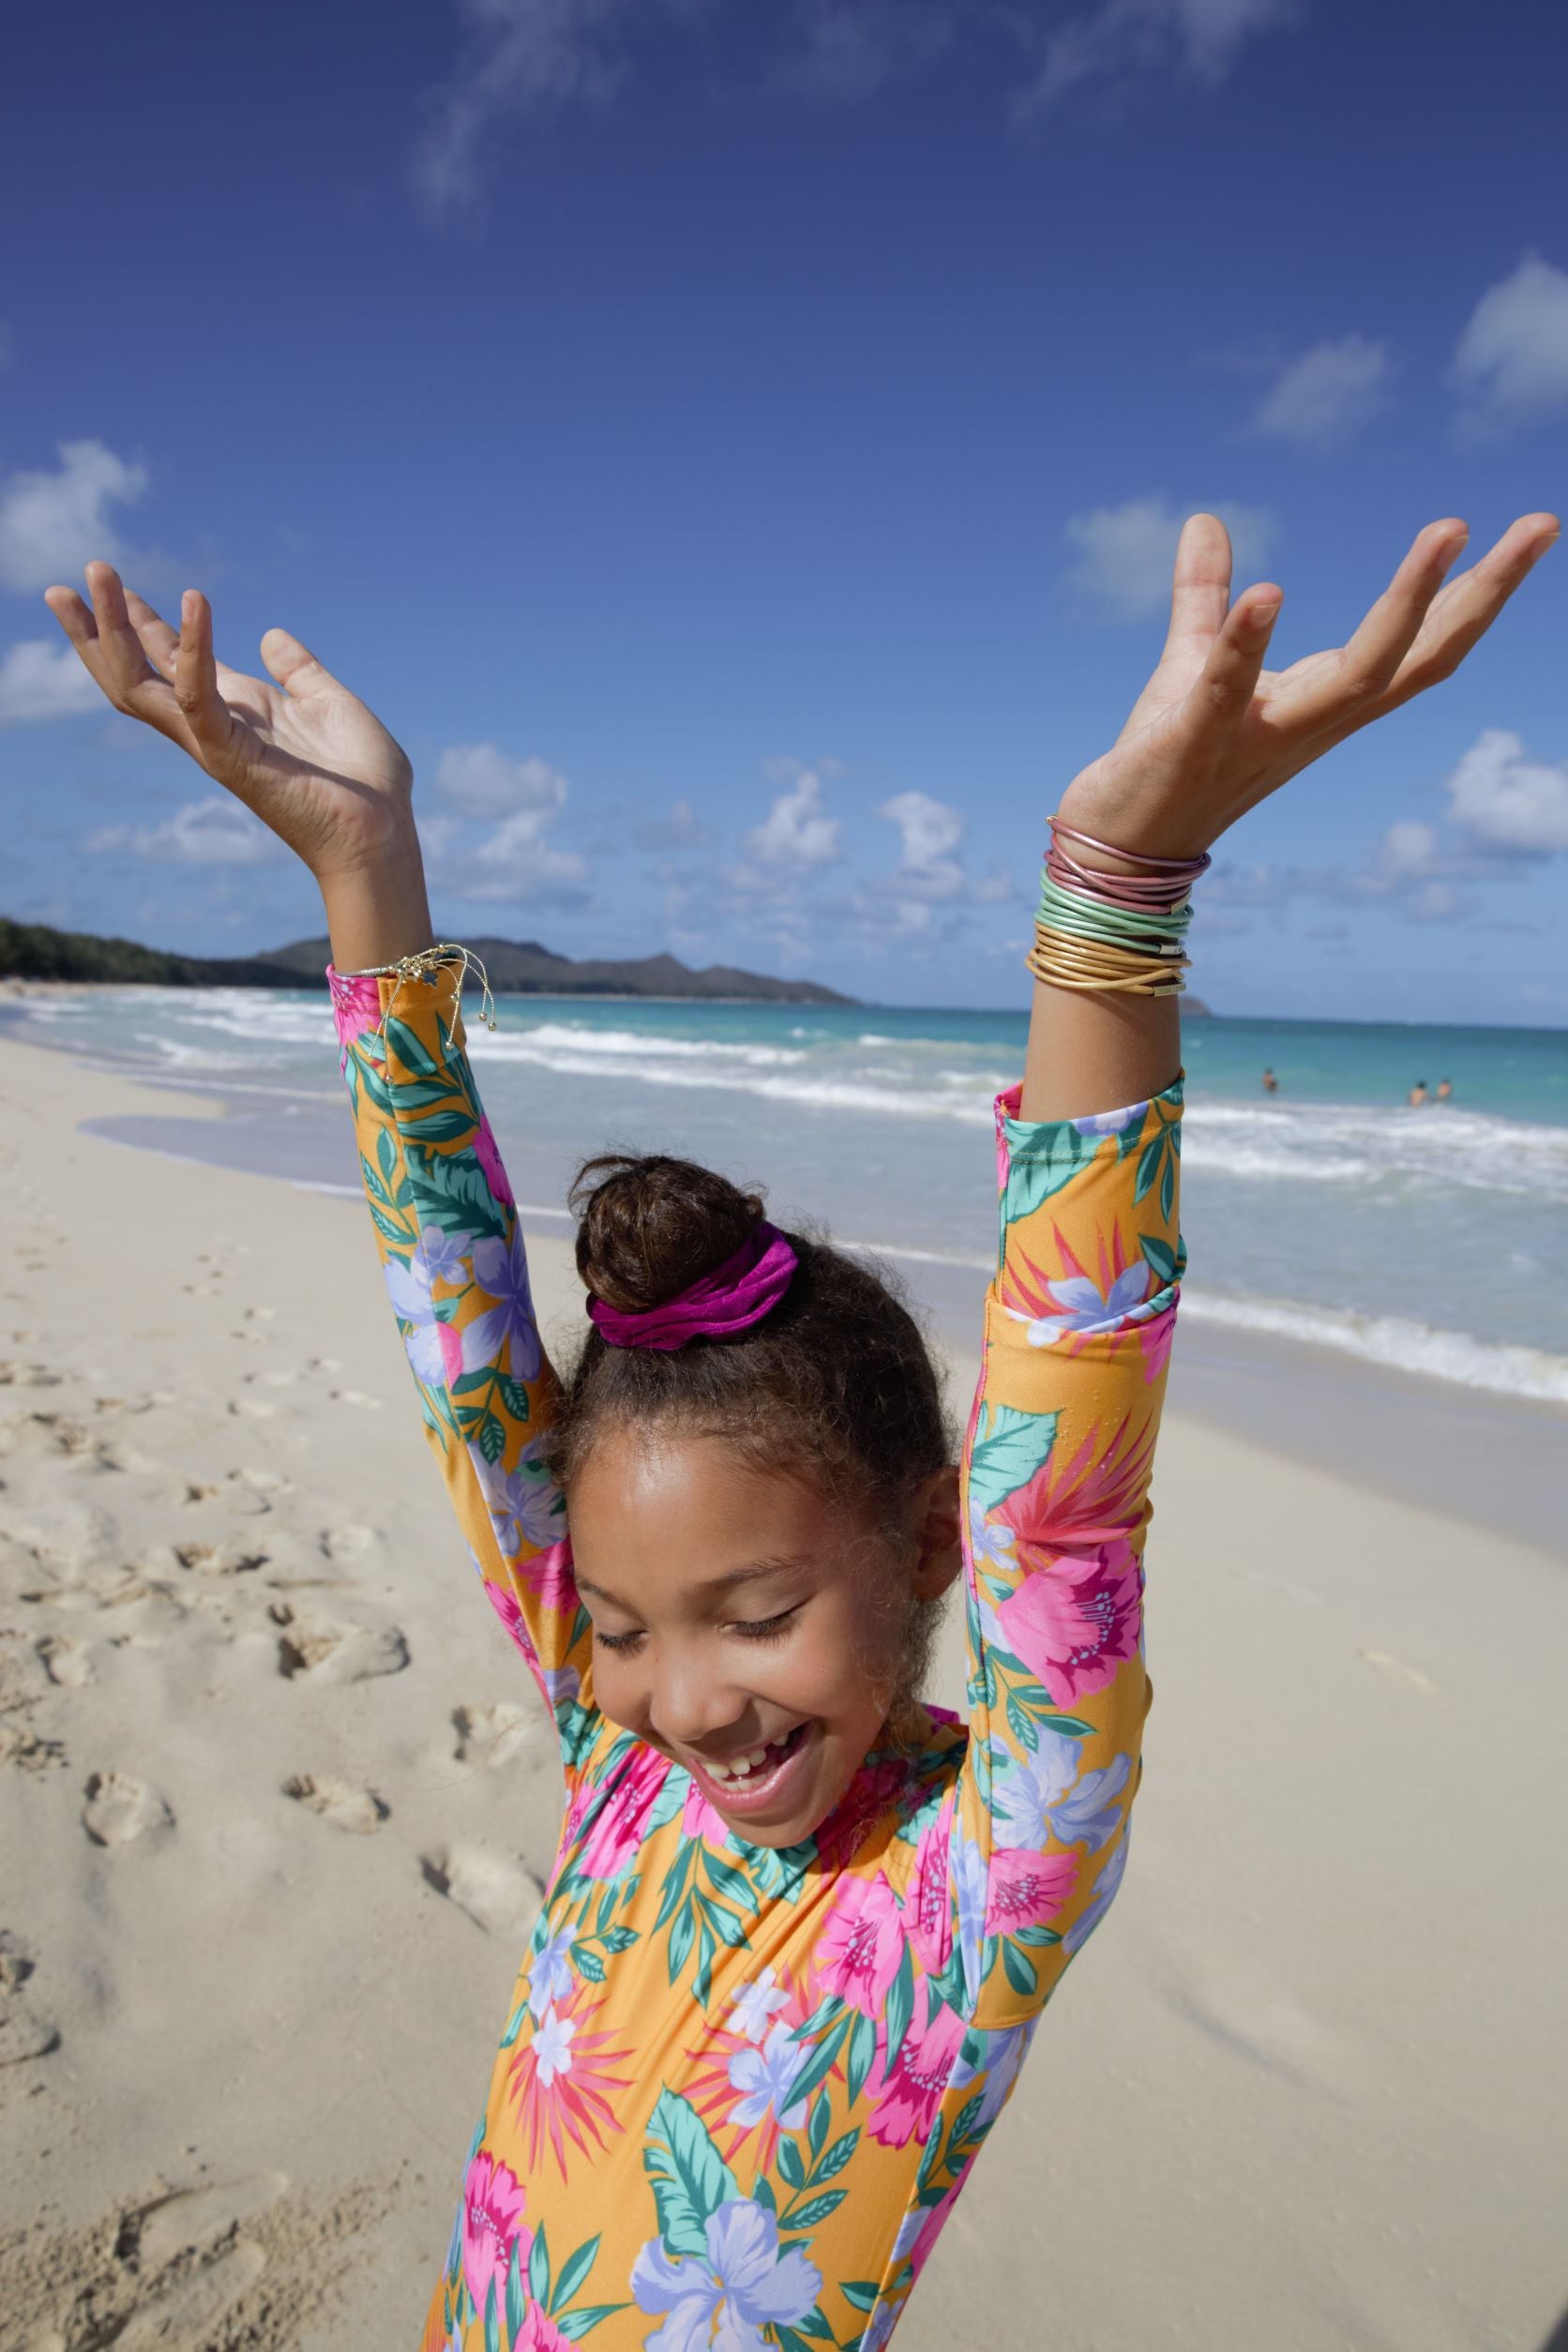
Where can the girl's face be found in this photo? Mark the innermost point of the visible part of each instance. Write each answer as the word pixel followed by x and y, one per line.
pixel 746 1626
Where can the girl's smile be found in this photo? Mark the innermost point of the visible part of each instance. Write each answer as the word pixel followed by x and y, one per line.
pixel 743 1624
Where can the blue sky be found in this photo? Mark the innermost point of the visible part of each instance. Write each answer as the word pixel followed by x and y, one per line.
pixel 737 449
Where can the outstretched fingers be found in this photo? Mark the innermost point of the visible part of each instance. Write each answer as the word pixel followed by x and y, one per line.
pixel 1460 616
pixel 201 706
pixel 1222 694
pixel 1352 682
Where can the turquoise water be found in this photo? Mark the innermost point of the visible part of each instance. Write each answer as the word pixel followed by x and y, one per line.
pixel 1435 1239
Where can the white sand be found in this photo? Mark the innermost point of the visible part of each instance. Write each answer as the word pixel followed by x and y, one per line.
pixel 275 1806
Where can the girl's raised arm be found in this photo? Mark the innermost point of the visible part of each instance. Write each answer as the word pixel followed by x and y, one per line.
pixel 320 770
pixel 1079 1320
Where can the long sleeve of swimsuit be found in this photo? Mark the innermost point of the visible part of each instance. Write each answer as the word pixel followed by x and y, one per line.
pixel 457 1275
pixel 1056 1467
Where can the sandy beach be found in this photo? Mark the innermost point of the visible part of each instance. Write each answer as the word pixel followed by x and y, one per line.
pixel 276 1810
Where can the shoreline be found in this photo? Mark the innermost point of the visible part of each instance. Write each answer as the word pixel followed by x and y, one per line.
pixel 1490 1459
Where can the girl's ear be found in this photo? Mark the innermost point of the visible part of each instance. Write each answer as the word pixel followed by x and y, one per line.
pixel 938 1556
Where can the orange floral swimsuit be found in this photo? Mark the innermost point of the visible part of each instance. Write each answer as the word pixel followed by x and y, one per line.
pixel 739 2089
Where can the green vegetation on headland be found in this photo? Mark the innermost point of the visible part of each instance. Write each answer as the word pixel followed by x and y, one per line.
pixel 32 951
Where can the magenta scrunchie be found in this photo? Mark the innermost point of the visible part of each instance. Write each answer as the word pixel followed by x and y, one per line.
pixel 735 1295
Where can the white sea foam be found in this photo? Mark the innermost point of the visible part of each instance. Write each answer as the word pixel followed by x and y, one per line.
pixel 1393 1340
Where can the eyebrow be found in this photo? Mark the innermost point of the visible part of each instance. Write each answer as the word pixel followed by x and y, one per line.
pixel 752 1574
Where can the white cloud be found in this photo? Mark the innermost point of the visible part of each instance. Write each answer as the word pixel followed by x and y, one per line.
pixel 480 779
pixel 523 57
pixel 1124 553
pixel 930 832
pixel 797 830
pixel 1512 362
pixel 50 523
pixel 1505 802
pixel 516 862
pixel 1328 394
pixel 516 859
pixel 40 681
pixel 1199 39
pixel 203 832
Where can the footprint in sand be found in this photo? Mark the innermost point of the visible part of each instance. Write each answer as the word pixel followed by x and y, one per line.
pixel 492 1890
pixel 494 1733
pixel 339 1802
pixel 119 1809
pixel 219 1560
pixel 355 1396
pixel 24 2032
pixel 336 1652
pixel 252 1409
pixel 254 1491
pixel 28 1375
pixel 347 1542
pixel 27 1749
pixel 66 1660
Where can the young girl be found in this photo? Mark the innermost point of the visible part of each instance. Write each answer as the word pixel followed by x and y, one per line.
pixel 800 1929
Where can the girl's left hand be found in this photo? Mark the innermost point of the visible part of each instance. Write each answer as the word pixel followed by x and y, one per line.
pixel 1213 732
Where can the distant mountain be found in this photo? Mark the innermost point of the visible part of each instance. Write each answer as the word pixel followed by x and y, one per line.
pixel 32 951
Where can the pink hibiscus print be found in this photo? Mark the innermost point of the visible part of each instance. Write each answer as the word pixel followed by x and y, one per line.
pixel 911 2089
pixel 492 2202
pixel 547 1575
pixel 487 1152
pixel 355 1005
pixel 862 1944
pixel 700 1819
pixel 504 1600
pixel 1075 1618
pixel 540 2334
pixel 929 1911
pixel 1026 1890
pixel 1077 1610
pixel 613 1841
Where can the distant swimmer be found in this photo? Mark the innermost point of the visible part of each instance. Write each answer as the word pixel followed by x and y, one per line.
pixel 1418 1094
pixel 1445 1092
pixel 1271 1084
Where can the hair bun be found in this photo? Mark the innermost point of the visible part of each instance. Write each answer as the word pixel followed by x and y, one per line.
pixel 649 1228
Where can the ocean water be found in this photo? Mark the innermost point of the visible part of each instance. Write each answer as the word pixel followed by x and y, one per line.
pixel 1434 1241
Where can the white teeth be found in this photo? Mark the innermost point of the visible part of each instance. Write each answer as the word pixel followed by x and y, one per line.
pixel 739 1766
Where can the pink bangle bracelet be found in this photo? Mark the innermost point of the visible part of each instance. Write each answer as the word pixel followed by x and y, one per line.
pixel 1190 867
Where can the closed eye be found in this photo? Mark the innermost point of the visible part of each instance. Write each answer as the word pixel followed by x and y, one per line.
pixel 621 1644
pixel 766 1628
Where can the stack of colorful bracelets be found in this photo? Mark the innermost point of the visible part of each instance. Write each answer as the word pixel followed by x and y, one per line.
pixel 1120 932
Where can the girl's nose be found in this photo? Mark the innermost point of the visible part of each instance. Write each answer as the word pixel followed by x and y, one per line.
pixel 688 1707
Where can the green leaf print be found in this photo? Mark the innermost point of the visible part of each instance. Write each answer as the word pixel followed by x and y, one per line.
pixel 492 2321
pixel 900 2004
pixel 863 2057
pixel 573 2324
pixel 574 2271
pixel 450 1190
pixel 514 2292
pixel 1043 1161
pixel 538 2267
pixel 1159 1256
pixel 860 2294
pixel 815 2210
pixel 1009 1447
pixel 818 2128
pixel 824 2059
pixel 690 2179
pixel 408 1048
pixel 814 2324
pixel 513 1396
pixel 443 1126
pixel 492 1437
pixel 837 2155
pixel 791 2163
pixel 1021 1970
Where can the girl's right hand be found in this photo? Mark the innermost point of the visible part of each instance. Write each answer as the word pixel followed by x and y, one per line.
pixel 305 754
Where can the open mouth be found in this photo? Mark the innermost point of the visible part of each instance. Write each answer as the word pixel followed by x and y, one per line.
pixel 760 1777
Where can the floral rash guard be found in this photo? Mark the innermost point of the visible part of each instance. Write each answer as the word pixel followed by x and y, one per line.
pixel 739 2089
